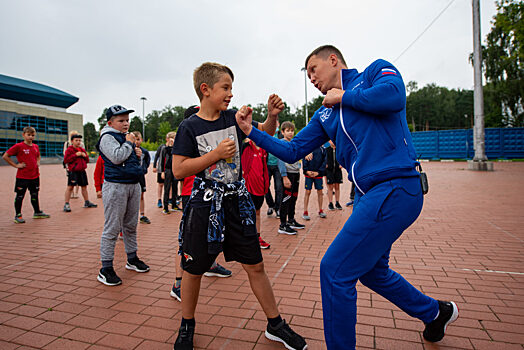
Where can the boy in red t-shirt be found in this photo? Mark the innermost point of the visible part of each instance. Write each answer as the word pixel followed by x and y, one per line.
pixel 76 159
pixel 27 176
pixel 254 168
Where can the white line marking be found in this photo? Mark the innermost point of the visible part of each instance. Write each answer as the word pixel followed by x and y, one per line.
pixel 506 232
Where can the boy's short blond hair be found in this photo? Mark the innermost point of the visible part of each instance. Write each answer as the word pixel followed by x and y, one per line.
pixel 137 133
pixel 209 73
pixel 29 130
pixel 171 135
pixel 287 125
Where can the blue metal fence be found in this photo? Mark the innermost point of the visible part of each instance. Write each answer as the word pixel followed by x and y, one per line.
pixel 505 143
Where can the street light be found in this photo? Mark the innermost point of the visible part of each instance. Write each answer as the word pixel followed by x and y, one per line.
pixel 303 69
pixel 143 118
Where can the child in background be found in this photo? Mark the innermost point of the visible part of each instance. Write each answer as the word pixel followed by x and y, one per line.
pixel 254 170
pixel 145 161
pixel 156 164
pixel 99 176
pixel 314 170
pixel 333 176
pixel 291 180
pixel 76 159
pixel 166 172
pixel 27 176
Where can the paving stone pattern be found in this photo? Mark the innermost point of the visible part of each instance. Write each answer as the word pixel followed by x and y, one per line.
pixel 467 246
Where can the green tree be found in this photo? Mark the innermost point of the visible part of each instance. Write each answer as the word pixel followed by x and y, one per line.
pixel 102 121
pixel 90 136
pixel 163 129
pixel 136 124
pixel 503 58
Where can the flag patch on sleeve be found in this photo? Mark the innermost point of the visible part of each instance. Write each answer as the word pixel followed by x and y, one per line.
pixel 386 71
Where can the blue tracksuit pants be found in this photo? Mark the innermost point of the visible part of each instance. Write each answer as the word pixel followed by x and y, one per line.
pixel 361 252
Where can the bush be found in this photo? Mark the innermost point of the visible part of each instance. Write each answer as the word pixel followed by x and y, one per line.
pixel 150 146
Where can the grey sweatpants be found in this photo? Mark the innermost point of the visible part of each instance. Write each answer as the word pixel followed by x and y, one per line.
pixel 121 206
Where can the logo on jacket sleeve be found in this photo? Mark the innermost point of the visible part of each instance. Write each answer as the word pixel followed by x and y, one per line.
pixel 324 115
pixel 386 71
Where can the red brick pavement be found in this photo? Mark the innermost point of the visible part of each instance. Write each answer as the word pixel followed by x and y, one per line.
pixel 466 246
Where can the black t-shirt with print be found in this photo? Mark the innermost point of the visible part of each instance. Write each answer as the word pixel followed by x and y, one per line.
pixel 196 137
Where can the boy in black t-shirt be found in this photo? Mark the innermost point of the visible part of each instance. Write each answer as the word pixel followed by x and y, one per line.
pixel 220 215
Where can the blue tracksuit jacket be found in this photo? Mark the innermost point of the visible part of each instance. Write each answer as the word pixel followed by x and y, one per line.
pixel 371 151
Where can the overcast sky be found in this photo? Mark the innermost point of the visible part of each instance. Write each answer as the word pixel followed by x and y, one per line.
pixel 116 51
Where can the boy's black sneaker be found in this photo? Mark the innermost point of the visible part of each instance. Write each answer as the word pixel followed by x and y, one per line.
pixel 175 293
pixel 88 204
pixel 448 312
pixel 184 340
pixel 145 220
pixel 137 265
pixel 269 211
pixel 218 271
pixel 67 208
pixel 282 333
pixel 338 206
pixel 41 215
pixel 286 229
pixel 330 206
pixel 19 219
pixel 277 213
pixel 107 276
pixel 295 225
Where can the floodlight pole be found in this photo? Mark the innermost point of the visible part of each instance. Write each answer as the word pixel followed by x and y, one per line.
pixel 479 161
pixel 305 92
pixel 143 118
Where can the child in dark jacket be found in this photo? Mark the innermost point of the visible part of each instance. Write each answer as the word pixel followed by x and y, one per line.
pixel 314 167
pixel 76 159
pixel 145 161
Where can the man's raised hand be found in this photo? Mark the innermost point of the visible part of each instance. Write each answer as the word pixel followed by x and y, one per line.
pixel 333 97
pixel 244 119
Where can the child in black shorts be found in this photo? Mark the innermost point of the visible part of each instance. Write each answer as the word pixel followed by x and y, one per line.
pixel 220 215
pixel 76 159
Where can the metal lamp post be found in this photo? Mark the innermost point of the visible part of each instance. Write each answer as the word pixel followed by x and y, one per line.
pixel 143 118
pixel 303 69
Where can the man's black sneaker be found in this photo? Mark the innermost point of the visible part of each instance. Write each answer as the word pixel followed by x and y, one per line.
pixel 137 265
pixel 295 225
pixel 277 213
pixel 67 208
pixel 41 215
pixel 286 229
pixel 145 220
pixel 448 312
pixel 184 340
pixel 338 206
pixel 88 204
pixel 286 336
pixel 107 276
pixel 330 206
pixel 19 219
pixel 269 211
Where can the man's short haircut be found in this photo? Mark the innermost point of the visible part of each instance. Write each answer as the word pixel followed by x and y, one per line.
pixel 171 135
pixel 137 134
pixel 76 136
pixel 29 130
pixel 209 73
pixel 287 125
pixel 324 51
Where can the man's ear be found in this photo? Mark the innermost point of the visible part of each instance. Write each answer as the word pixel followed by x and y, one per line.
pixel 333 59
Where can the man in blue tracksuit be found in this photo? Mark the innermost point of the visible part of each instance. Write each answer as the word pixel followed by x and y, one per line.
pixel 365 115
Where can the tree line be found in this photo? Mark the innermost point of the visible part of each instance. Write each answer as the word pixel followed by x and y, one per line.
pixel 431 107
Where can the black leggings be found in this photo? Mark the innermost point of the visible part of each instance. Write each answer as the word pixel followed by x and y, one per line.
pixel 287 208
pixel 21 186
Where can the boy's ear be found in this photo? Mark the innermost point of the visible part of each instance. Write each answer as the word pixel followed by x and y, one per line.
pixel 204 89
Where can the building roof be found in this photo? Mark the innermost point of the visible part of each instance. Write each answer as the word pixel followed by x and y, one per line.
pixel 28 91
